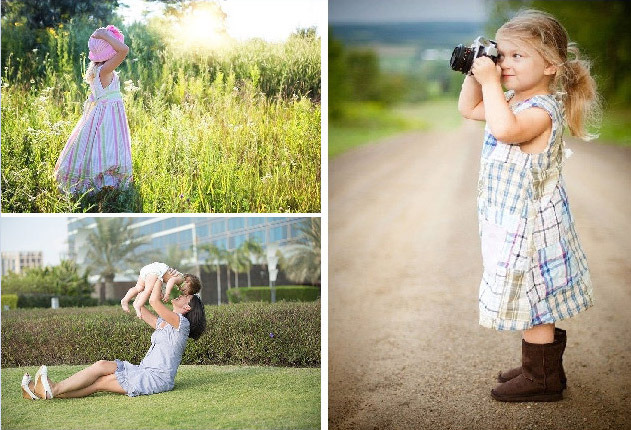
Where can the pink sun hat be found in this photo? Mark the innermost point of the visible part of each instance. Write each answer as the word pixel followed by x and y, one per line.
pixel 100 50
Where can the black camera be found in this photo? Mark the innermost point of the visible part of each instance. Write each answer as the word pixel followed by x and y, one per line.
pixel 463 56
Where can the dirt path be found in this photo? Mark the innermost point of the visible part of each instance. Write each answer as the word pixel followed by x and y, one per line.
pixel 405 347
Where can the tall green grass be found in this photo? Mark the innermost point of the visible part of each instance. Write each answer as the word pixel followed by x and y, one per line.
pixel 237 130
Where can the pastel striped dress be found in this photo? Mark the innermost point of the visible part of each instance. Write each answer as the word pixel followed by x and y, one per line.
pixel 98 152
pixel 535 271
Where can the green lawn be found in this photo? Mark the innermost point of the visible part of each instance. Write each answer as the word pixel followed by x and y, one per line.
pixel 204 397
pixel 616 126
pixel 367 123
pixel 341 139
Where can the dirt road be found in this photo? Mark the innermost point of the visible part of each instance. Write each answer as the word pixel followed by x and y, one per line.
pixel 405 347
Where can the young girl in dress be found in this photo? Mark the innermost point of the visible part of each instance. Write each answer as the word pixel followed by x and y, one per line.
pixel 152 276
pixel 98 152
pixel 535 271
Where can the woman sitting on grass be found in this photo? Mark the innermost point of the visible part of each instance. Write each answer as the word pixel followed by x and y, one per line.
pixel 156 372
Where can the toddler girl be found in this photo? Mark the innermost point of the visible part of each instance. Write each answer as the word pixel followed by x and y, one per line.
pixel 98 152
pixel 152 276
pixel 535 271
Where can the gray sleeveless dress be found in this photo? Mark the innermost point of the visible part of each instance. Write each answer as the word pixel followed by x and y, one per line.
pixel 156 372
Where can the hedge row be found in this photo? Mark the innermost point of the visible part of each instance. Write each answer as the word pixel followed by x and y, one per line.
pixel 280 334
pixel 43 301
pixel 296 293
pixel 10 300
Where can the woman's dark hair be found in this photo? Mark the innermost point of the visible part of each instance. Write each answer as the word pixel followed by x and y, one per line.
pixel 196 317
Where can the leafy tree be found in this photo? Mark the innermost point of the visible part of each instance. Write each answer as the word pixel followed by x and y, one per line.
pixel 601 30
pixel 364 75
pixel 339 85
pixel 37 14
pixel 63 279
pixel 302 259
pixel 68 282
pixel 305 33
pixel 112 247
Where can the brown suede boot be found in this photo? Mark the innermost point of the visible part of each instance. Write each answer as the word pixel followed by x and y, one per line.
pixel 539 380
pixel 559 335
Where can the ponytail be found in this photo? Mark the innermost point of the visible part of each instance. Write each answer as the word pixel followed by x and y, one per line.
pixel 572 79
pixel 581 100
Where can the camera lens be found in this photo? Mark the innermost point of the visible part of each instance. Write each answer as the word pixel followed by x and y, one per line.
pixel 456 58
pixel 461 59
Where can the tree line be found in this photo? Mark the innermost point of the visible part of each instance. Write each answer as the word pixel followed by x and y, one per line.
pixel 599 28
pixel 114 248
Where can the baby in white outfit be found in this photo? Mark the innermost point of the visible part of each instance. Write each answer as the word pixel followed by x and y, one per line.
pixel 152 276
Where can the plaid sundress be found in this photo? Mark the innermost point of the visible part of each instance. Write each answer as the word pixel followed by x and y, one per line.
pixel 535 271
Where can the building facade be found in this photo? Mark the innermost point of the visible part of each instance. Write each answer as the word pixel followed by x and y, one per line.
pixel 189 234
pixel 18 261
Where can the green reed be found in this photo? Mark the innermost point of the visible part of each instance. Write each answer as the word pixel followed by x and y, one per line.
pixel 235 131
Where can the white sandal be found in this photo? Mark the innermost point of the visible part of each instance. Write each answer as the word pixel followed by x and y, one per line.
pixel 26 390
pixel 42 376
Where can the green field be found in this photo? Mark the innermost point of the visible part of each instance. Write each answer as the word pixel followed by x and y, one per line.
pixel 204 397
pixel 236 130
pixel 369 124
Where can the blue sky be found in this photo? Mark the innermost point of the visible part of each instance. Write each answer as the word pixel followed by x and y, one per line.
pixel 406 10
pixel 35 233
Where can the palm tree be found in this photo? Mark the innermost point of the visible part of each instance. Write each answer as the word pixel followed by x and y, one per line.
pixel 238 261
pixel 301 260
pixel 112 247
pixel 252 250
pixel 218 256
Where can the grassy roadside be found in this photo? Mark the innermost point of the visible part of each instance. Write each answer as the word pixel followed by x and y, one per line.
pixel 365 122
pixel 204 397
pixel 616 127
pixel 368 123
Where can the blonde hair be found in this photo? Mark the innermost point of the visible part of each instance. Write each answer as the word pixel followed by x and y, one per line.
pixel 90 72
pixel 572 79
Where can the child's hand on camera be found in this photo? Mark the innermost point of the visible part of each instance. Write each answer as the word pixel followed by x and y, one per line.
pixel 485 71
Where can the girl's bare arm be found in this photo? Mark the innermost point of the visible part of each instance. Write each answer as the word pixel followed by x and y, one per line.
pixel 504 124
pixel 121 52
pixel 470 104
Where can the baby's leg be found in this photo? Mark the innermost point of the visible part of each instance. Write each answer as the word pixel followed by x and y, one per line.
pixel 132 292
pixel 151 282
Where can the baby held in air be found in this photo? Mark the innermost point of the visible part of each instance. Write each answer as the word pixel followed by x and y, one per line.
pixel 152 276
